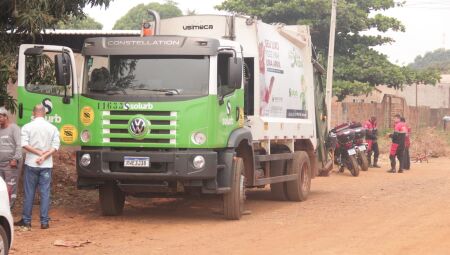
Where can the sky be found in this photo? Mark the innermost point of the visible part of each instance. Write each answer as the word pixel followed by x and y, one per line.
pixel 427 24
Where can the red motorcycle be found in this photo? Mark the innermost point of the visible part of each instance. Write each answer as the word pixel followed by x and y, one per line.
pixel 345 151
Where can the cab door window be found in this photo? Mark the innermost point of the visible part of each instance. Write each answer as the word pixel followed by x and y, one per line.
pixel 40 76
pixel 223 84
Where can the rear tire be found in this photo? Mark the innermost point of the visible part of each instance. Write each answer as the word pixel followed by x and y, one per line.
pixel 112 199
pixel 354 165
pixel 298 190
pixel 233 201
pixel 278 190
pixel 4 242
pixel 363 160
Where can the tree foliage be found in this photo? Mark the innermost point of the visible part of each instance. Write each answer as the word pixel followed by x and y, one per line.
pixel 438 59
pixel 22 19
pixel 79 23
pixel 358 68
pixel 134 17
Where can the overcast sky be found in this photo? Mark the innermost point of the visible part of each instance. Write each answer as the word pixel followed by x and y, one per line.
pixel 427 23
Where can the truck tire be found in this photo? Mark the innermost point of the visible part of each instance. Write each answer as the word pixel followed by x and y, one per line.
pixel 4 242
pixel 278 190
pixel 354 165
pixel 112 199
pixel 363 161
pixel 298 190
pixel 233 201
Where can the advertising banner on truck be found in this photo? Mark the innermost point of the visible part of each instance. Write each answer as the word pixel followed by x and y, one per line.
pixel 281 76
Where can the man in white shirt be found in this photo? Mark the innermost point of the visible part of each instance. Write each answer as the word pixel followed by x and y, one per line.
pixel 40 139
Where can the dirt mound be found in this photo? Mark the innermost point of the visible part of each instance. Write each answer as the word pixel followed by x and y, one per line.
pixel 430 141
pixel 64 189
pixel 64 181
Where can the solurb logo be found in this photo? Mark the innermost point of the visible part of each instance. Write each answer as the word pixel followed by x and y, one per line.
pixel 198 27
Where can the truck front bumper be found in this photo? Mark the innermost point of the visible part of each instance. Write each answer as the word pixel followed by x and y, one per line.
pixel 164 166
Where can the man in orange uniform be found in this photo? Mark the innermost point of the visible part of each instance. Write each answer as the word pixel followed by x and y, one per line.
pixel 407 160
pixel 372 141
pixel 398 144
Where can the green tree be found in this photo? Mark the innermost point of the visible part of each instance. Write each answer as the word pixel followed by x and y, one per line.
pixel 438 59
pixel 358 68
pixel 26 19
pixel 134 17
pixel 79 23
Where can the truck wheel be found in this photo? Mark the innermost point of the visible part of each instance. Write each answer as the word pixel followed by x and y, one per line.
pixel 364 162
pixel 298 190
pixel 354 165
pixel 4 242
pixel 112 199
pixel 233 201
pixel 278 190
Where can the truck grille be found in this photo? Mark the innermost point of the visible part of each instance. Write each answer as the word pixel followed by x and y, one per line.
pixel 163 129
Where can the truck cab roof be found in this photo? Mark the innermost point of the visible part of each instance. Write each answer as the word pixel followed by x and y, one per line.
pixel 156 45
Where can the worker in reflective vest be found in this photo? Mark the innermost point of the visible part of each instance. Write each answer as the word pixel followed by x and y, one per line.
pixel 407 160
pixel 398 144
pixel 372 141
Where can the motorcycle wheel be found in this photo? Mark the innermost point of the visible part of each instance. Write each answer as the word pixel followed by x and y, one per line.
pixel 363 161
pixel 354 165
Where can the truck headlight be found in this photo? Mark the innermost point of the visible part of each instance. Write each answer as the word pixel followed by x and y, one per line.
pixel 85 136
pixel 198 138
pixel 198 162
pixel 85 160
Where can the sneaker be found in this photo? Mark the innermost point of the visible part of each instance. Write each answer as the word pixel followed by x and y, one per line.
pixel 45 226
pixel 400 171
pixel 22 223
pixel 376 166
pixel 391 171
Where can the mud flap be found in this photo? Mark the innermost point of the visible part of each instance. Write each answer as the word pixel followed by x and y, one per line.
pixel 225 174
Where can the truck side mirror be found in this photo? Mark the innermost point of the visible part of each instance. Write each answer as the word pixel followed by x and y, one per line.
pixel 62 69
pixel 35 51
pixel 235 73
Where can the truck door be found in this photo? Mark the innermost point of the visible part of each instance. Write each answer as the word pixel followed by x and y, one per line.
pixel 47 76
pixel 230 93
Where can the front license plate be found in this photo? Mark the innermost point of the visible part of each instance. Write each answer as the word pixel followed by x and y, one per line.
pixel 136 161
pixel 351 152
pixel 362 147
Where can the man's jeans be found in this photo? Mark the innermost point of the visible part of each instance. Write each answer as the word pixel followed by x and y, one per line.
pixel 33 177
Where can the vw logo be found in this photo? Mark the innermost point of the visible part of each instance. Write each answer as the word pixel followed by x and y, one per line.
pixel 138 127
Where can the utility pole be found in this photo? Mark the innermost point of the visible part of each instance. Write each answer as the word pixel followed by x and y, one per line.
pixel 329 89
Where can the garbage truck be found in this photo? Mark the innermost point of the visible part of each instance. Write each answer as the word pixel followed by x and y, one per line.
pixel 210 104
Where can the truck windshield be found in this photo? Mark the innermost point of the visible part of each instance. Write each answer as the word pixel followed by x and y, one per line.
pixel 146 75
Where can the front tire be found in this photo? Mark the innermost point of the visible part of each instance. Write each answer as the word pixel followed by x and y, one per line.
pixel 4 242
pixel 278 190
pixel 112 199
pixel 233 201
pixel 362 159
pixel 298 190
pixel 354 165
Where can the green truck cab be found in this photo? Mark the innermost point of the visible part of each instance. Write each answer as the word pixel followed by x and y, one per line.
pixel 192 112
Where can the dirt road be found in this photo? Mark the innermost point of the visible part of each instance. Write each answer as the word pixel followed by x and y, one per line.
pixel 375 213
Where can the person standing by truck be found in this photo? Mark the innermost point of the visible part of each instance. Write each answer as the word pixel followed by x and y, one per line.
pixel 40 139
pixel 372 140
pixel 10 154
pixel 407 160
pixel 398 145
